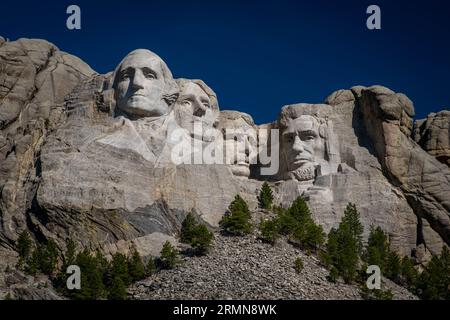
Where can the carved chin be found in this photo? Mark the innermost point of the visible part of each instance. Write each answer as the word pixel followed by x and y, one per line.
pixel 304 173
pixel 240 170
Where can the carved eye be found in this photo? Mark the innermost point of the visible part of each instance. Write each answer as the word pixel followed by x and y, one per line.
pixel 309 138
pixel 289 138
pixel 124 76
pixel 149 75
pixel 186 102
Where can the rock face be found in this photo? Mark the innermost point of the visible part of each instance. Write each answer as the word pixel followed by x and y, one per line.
pixel 35 77
pixel 92 156
pixel 433 135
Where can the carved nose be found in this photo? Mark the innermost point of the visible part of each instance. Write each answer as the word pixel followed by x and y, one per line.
pixel 298 145
pixel 138 81
pixel 199 109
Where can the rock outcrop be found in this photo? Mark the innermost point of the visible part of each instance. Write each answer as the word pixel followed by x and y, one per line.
pixel 433 135
pixel 35 78
pixel 91 156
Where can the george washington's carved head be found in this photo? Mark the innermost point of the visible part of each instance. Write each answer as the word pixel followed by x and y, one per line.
pixel 143 85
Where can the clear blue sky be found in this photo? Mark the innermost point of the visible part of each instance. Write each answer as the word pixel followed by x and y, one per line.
pixel 260 55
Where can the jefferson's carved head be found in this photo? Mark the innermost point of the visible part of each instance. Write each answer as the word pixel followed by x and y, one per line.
pixel 143 85
pixel 239 138
pixel 303 144
pixel 196 103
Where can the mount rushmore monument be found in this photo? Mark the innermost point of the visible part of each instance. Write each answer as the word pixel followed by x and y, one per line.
pixel 91 156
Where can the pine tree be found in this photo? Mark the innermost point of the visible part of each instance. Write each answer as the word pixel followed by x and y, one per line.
pixel 270 230
pixel 70 255
pixel 352 219
pixel 377 250
pixel 265 197
pixel 393 267
pixel 297 222
pixel 24 245
pixel 187 228
pixel 118 290
pixel 202 239
pixel 169 256
pixel 33 265
pixel 136 267
pixel 344 245
pixel 48 257
pixel 119 268
pixel 92 286
pixel 197 235
pixel 409 274
pixel 150 268
pixel 238 221
pixel 434 282
pixel 298 265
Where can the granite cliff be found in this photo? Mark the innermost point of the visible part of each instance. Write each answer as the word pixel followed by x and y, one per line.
pixel 89 156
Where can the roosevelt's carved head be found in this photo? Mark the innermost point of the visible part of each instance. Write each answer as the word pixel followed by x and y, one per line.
pixel 196 104
pixel 304 144
pixel 143 85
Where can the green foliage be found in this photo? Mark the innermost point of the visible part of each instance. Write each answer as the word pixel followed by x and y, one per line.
pixel 344 245
pixel 8 296
pixel 270 230
pixel 202 239
pixel 119 268
pixel 169 256
pixel 265 197
pixel 136 266
pixel 24 245
pixel 48 257
pixel 298 265
pixel 377 250
pixel 393 267
pixel 409 274
pixel 238 221
pixel 298 223
pixel 118 290
pixel 197 235
pixel 376 294
pixel 43 259
pixel 188 228
pixel 150 268
pixel 334 274
pixel 32 266
pixel 92 286
pixel 70 254
pixel 434 282
pixel 351 220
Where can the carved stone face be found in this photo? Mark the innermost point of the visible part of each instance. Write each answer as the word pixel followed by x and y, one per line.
pixel 302 147
pixel 239 138
pixel 194 106
pixel 140 85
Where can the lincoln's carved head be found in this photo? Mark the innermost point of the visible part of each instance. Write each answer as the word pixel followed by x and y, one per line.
pixel 143 85
pixel 304 145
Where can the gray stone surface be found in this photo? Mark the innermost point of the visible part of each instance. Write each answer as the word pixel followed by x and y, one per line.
pixel 246 268
pixel 35 78
pixel 433 135
pixel 74 163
